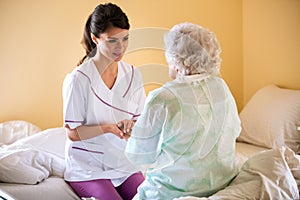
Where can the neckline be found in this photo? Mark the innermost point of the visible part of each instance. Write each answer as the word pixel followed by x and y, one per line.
pixel 101 80
pixel 192 78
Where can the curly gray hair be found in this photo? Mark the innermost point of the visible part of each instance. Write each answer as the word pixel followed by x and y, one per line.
pixel 193 49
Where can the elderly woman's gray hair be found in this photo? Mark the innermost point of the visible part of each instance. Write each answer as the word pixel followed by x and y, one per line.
pixel 193 49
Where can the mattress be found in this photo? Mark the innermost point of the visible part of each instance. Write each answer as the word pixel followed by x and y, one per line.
pixel 49 189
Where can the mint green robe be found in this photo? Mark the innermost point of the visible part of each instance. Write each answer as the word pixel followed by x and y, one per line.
pixel 187 133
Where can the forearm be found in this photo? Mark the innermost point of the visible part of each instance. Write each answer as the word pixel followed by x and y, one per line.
pixel 87 132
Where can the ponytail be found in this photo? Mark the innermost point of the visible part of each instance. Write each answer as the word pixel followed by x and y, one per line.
pixel 87 42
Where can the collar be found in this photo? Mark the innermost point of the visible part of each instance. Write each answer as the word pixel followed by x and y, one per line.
pixel 192 78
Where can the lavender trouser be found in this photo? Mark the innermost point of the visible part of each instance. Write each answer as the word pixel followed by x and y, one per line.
pixel 103 189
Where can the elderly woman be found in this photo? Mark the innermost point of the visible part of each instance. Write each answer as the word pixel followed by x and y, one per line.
pixel 188 128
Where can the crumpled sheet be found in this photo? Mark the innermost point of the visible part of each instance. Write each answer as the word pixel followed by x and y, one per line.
pixel 272 174
pixel 33 159
pixel 11 131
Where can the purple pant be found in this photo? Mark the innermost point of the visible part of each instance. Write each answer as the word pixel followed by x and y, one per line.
pixel 103 189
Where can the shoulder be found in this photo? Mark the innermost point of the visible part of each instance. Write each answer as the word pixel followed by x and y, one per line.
pixel 222 83
pixel 125 66
pixel 165 93
pixel 128 67
pixel 131 70
pixel 78 75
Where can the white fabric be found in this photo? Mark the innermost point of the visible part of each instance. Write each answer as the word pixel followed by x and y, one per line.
pixel 243 151
pixel 52 188
pixel 34 158
pixel 271 117
pixel 272 174
pixel 187 132
pixel 88 101
pixel 275 165
pixel 12 131
pixel 6 196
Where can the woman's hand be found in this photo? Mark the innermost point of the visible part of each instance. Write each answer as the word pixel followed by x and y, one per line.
pixel 126 126
pixel 114 128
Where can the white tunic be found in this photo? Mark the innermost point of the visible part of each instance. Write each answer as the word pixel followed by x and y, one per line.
pixel 88 101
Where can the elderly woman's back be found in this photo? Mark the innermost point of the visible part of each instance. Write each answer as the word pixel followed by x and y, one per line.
pixel 189 126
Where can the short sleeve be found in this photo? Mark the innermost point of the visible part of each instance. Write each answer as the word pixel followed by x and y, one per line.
pixel 74 101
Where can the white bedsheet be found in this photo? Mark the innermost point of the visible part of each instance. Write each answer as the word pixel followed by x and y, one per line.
pixel 53 188
pixel 33 159
pixel 272 174
pixel 267 174
pixel 244 151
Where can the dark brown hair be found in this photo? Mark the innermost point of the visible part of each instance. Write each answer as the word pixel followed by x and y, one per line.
pixel 104 17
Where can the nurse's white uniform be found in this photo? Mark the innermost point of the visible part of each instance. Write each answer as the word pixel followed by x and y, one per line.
pixel 88 101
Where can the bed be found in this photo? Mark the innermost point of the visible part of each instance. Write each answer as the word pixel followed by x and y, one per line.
pixel 33 167
pixel 267 154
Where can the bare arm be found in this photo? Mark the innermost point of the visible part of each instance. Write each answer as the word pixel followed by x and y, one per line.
pixel 87 132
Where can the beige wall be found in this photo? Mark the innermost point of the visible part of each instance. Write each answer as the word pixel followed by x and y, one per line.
pixel 271 44
pixel 40 44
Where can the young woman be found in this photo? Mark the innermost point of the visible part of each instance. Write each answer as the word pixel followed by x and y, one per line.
pixel 102 97
pixel 189 126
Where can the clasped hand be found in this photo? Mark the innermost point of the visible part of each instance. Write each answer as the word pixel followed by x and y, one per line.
pixel 125 126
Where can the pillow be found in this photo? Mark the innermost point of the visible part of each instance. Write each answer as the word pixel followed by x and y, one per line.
pixel 271 118
pixel 51 140
pixel 34 158
pixel 12 131
pixel 28 166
